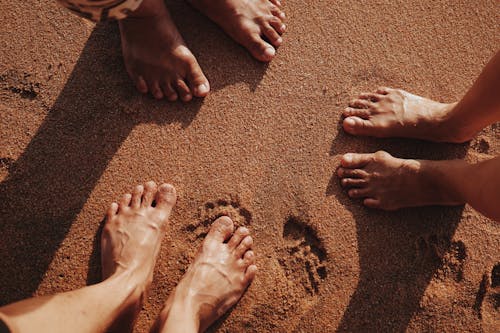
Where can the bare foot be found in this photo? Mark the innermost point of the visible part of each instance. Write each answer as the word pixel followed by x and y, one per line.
pixel 134 230
pixel 248 22
pixel 397 113
pixel 389 183
pixel 156 56
pixel 215 281
pixel 131 240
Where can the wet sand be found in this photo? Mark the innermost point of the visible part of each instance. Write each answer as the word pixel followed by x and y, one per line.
pixel 262 147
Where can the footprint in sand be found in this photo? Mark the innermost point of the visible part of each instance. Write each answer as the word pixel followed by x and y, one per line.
pixel 449 255
pixel 19 84
pixel 303 258
pixel 212 210
pixel 488 301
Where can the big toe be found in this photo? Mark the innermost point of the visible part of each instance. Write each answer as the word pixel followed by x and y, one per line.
pixel 357 126
pixel 197 80
pixel 221 230
pixel 351 160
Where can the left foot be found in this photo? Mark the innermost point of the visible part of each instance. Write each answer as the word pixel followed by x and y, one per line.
pixel 133 232
pixel 251 23
pixel 389 183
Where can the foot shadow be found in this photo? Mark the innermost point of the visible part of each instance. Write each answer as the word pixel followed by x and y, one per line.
pixel 394 268
pixel 49 183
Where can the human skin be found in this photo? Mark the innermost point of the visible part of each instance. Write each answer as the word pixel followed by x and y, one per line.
pixel 389 183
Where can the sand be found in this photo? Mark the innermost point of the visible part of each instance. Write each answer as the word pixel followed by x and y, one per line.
pixel 262 147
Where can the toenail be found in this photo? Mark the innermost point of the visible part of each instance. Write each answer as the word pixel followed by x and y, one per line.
pixel 283 27
pixel 347 158
pixel 282 15
pixel 269 52
pixel 350 122
pixel 202 89
pixel 167 188
pixel 279 40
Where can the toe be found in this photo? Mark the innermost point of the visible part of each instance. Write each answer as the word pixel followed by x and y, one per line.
pixel 141 85
pixel 125 201
pixel 183 90
pixel 277 12
pixel 371 203
pixel 351 173
pixel 276 2
pixel 361 104
pixel 166 197
pixel 248 258
pixel 260 49
pixel 112 211
pixel 352 161
pixel 355 112
pixel 244 246
pixel 169 92
pixel 371 96
pixel 239 234
pixel 359 192
pixel 272 35
pixel 137 196
pixel 156 90
pixel 250 274
pixel 383 90
pixel 357 126
pixel 279 26
pixel 150 189
pixel 197 80
pixel 221 230
pixel 353 182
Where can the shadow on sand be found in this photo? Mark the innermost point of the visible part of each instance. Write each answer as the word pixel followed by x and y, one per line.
pixel 48 185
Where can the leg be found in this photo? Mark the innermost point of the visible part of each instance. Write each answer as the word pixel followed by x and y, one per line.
pixel 214 282
pixel 130 243
pixel 389 183
pixel 251 23
pixel 156 56
pixel 397 113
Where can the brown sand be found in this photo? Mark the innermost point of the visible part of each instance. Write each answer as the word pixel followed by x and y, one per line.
pixel 263 147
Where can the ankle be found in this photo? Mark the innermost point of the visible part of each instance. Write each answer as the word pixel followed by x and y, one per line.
pixel 132 285
pixel 445 177
pixel 178 312
pixel 457 128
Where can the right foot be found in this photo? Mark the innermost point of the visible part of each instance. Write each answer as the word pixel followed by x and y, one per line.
pixel 215 281
pixel 397 113
pixel 156 56
pixel 255 24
